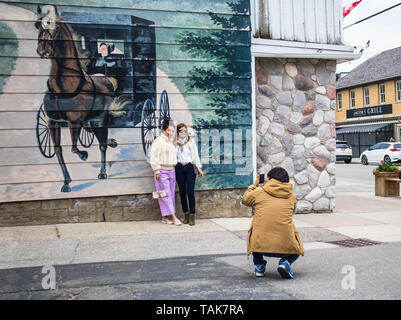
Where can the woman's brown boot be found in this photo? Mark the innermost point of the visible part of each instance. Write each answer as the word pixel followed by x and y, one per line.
pixel 192 219
pixel 186 218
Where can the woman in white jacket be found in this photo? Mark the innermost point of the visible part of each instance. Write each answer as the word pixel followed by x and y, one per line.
pixel 163 159
pixel 188 166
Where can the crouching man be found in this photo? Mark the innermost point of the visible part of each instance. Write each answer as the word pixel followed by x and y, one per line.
pixel 272 232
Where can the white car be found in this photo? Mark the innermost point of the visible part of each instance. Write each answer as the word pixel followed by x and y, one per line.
pixel 383 151
pixel 343 151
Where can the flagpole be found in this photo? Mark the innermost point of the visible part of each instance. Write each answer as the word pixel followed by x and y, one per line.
pixel 373 15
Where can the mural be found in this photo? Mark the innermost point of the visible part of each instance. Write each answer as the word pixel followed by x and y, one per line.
pixel 85 86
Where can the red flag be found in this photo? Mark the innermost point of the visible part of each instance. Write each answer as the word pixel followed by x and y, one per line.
pixel 349 8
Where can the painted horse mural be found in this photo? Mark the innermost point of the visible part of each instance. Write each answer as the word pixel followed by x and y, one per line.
pixel 85 102
pixel 56 92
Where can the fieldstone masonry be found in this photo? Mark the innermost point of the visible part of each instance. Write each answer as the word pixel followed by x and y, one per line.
pixel 295 126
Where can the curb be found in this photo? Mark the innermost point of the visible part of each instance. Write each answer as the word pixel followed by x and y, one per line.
pixel 357 161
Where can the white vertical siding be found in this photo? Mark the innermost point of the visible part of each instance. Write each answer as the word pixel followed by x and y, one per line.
pixel 330 22
pixel 309 15
pixel 338 18
pixel 273 21
pixel 299 22
pixel 287 19
pixel 317 21
pixel 321 21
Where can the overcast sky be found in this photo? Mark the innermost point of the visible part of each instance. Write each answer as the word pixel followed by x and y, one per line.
pixel 383 31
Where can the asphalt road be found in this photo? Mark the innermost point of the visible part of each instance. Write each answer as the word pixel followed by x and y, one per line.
pixel 354 177
pixel 370 272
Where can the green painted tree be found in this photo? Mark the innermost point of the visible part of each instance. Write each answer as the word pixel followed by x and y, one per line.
pixel 228 81
pixel 229 77
pixel 8 52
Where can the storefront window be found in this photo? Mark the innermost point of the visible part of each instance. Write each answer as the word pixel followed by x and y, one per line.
pixel 366 100
pixel 398 90
pixel 339 101
pixel 382 93
pixel 352 98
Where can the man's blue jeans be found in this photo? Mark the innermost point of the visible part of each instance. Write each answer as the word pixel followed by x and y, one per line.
pixel 258 257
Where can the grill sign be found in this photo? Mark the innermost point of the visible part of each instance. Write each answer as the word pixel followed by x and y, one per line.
pixel 370 111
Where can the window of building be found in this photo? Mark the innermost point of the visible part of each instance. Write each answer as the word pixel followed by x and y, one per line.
pixel 352 98
pixel 398 90
pixel 382 93
pixel 366 100
pixel 339 101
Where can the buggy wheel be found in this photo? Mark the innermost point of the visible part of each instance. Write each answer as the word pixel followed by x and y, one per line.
pixel 45 143
pixel 164 106
pixel 86 136
pixel 148 128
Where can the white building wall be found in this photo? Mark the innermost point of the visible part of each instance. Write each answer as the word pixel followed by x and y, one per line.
pixel 314 21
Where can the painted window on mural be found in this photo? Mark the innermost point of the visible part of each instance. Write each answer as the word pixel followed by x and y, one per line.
pixel 85 86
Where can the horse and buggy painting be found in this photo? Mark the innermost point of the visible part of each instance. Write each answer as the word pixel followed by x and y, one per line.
pixel 100 78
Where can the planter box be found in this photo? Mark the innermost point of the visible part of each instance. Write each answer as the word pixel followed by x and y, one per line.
pixel 385 188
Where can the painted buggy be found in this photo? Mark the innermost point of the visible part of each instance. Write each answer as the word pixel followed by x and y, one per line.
pixel 134 70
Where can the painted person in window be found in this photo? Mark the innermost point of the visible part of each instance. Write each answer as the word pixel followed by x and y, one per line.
pixel 163 158
pixel 106 64
pixel 105 61
pixel 188 166
pixel 272 232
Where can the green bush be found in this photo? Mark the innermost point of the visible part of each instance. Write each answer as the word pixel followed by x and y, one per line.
pixel 387 167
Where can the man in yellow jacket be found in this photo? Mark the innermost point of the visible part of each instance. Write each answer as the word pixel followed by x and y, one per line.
pixel 272 232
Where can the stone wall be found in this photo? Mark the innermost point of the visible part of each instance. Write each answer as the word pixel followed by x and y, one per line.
pixel 295 112
pixel 210 204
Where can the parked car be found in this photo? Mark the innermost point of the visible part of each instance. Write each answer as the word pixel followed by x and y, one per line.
pixel 343 151
pixel 386 151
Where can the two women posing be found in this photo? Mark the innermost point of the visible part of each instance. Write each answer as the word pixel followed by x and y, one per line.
pixel 175 162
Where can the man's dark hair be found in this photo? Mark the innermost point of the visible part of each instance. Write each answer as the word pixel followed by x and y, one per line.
pixel 167 123
pixel 279 174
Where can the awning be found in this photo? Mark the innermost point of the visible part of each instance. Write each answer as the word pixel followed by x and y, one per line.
pixel 366 128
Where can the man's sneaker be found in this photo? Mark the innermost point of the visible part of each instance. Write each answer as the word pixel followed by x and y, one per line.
pixel 285 270
pixel 260 270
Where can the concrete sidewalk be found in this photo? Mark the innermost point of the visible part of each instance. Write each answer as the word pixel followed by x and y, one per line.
pixel 358 215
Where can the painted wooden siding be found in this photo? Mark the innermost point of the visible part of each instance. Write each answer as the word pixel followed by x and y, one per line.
pixel 316 21
pixel 194 43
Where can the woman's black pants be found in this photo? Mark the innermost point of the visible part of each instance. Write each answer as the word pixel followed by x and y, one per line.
pixel 186 177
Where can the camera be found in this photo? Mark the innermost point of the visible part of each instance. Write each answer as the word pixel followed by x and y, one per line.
pixel 261 178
